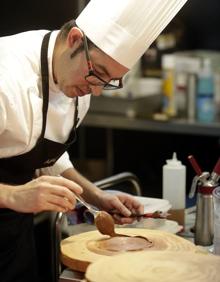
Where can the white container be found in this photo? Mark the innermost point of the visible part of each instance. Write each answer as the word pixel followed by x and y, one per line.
pixel 147 86
pixel 174 183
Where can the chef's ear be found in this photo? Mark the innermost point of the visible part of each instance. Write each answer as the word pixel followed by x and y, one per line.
pixel 74 37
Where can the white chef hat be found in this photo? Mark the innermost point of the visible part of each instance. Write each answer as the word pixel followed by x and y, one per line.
pixel 124 29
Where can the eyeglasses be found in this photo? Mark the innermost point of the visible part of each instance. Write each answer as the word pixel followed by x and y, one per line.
pixel 93 79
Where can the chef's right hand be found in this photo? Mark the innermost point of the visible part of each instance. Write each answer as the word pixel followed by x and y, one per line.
pixel 45 193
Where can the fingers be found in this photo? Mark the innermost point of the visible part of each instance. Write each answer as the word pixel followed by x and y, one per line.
pixel 139 210
pixel 61 181
pixel 132 204
pixel 56 193
pixel 127 203
pixel 61 203
pixel 56 208
pixel 123 220
pixel 121 208
pixel 73 186
pixel 61 192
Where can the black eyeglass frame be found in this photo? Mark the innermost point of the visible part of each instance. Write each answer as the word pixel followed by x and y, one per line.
pixel 105 85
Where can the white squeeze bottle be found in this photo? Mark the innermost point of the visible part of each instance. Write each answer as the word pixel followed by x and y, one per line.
pixel 174 187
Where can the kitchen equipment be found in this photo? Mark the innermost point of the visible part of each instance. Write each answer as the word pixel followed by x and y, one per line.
pixel 168 67
pixel 205 184
pixel 205 96
pixel 152 205
pixel 216 202
pixel 78 251
pixel 103 220
pixel 174 183
pixel 174 187
pixel 143 107
pixel 162 224
pixel 156 214
pixel 93 210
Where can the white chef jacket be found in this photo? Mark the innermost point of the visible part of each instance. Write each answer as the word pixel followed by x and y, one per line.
pixel 21 99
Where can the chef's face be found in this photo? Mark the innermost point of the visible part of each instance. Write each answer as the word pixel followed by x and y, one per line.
pixel 72 67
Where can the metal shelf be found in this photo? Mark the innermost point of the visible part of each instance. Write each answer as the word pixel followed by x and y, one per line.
pixel 177 126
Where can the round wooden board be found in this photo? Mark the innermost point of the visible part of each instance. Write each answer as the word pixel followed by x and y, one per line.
pixel 152 266
pixel 78 251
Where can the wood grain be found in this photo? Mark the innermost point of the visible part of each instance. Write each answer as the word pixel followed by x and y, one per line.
pixel 78 251
pixel 152 266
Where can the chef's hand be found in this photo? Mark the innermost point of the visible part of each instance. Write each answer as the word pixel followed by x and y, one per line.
pixel 45 193
pixel 123 204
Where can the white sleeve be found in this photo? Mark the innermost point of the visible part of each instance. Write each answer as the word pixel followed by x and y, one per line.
pixel 59 167
pixel 3 114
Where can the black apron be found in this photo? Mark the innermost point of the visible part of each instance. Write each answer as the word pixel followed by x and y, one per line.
pixel 17 248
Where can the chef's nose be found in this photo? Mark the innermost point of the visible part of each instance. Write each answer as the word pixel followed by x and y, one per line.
pixel 96 90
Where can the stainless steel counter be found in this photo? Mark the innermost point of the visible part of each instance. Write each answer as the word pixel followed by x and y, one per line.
pixel 69 275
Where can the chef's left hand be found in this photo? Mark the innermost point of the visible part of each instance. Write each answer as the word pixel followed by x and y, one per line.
pixel 123 204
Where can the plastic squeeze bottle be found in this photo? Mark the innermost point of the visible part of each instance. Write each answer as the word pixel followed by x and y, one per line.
pixel 174 187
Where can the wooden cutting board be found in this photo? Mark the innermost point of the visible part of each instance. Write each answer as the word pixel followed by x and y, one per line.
pixel 166 266
pixel 78 251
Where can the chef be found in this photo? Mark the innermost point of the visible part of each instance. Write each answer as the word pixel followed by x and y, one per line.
pixel 46 79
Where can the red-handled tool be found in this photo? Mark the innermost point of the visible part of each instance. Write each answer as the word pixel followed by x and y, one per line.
pixel 200 178
pixel 195 165
pixel 215 175
pixel 156 214
pixel 217 167
pixel 204 206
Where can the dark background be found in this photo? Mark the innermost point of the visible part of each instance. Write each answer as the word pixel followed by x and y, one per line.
pixel 201 18
pixel 202 21
pixel 18 16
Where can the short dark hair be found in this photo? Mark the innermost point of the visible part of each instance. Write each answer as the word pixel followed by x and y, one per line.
pixel 65 29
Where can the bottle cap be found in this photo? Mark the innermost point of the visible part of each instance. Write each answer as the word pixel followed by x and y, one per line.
pixel 174 161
